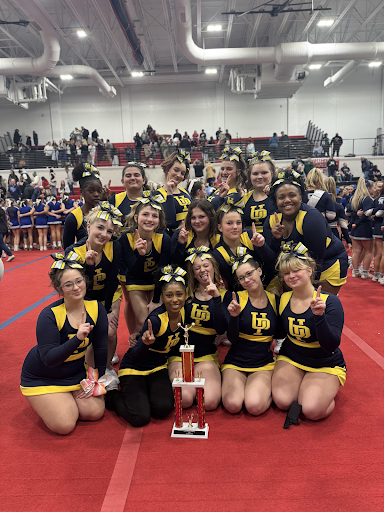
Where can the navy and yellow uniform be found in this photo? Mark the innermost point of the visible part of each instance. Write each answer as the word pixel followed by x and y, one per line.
pixel 378 214
pixel 104 285
pixel 175 207
pixel 312 230
pixel 225 259
pixel 75 227
pixel 210 318
pixel 122 202
pixel 322 201
pixel 56 364
pixel 312 342
pixel 144 359
pixel 256 211
pixel 180 251
pixel 217 201
pixel 363 229
pixel 341 221
pixel 251 334
pixel 139 269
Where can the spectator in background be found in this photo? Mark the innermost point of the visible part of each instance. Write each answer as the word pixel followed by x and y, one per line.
pixel 91 153
pixel 186 135
pixel 163 148
pixel 217 134
pixel 365 167
pixel 3 187
pixel 195 137
pixel 69 180
pixel 16 137
pixel 274 143
pixel 85 133
pixel 376 173
pixel 36 182
pixel 325 144
pixel 185 143
pixel 95 135
pixel 222 140
pixel 317 150
pixel 144 137
pixel 199 167
pixel 55 154
pixel 203 136
pixel 177 135
pixel 149 130
pixel 204 150
pixel 308 165
pixel 35 140
pixel 284 145
pixel 295 164
pixel 12 176
pixel 210 173
pixel 332 166
pixel 138 145
pixel 14 190
pixel 128 153
pixel 228 136
pixel 336 142
pixel 28 142
pixel 52 181
pixel 346 172
pixel 108 148
pixel 211 150
pixel 101 153
pixel 250 147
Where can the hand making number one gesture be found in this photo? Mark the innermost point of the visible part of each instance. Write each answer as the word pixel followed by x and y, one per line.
pixel 148 337
pixel 257 238
pixel 141 244
pixel 211 289
pixel 183 235
pixel 234 306
pixel 223 188
pixel 90 255
pixel 84 328
pixel 317 304
pixel 278 228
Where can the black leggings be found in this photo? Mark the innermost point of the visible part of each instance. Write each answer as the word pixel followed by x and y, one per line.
pixel 141 397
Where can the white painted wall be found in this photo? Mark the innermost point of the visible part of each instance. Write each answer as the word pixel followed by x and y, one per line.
pixel 354 109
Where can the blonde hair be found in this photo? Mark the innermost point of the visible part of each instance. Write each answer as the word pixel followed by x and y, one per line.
pixel 193 283
pixel 314 179
pixel 92 217
pixel 330 186
pixel 360 194
pixel 131 223
pixel 289 261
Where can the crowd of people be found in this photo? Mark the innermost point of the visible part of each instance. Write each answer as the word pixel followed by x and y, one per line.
pixel 257 264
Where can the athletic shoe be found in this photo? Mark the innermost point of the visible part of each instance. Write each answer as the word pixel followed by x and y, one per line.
pixel 115 359
pixel 278 344
pixel 350 262
pixel 11 258
pixel 366 275
pixel 115 383
pixel 376 276
pixel 356 273
pixel 381 280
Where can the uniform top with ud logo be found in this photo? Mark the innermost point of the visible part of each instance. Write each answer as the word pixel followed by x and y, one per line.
pixel 175 207
pixel 251 334
pixel 103 275
pixel 144 359
pixel 256 211
pixel 139 269
pixel 312 342
pixel 217 201
pixel 56 363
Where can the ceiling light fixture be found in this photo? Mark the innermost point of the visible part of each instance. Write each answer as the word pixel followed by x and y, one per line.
pixel 81 33
pixel 137 73
pixel 66 77
pixel 314 66
pixel 375 64
pixel 325 22
pixel 211 71
pixel 214 28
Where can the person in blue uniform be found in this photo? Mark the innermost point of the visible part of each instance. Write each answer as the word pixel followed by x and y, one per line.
pixel 340 220
pixel 25 216
pixel 198 229
pixel 248 366
pixel 378 215
pixel 177 199
pixel 205 308
pixel 12 211
pixel 317 197
pixel 257 205
pixel 134 181
pixel 299 222
pixel 235 243
pixel 145 388
pixel 41 222
pixel 91 189
pixel 101 256
pixel 361 233
pixel 55 209
pixel 54 368
pixel 232 177
pixel 310 368
pixel 145 246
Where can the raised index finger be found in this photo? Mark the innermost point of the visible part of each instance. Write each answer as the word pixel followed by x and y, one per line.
pixel 183 225
pixel 150 327
pixel 109 183
pixel 88 245
pixel 137 233
pixel 276 218
pixel 234 296
pixel 318 292
pixel 82 317
pixel 253 229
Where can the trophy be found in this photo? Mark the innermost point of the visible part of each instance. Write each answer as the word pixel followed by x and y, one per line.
pixel 189 429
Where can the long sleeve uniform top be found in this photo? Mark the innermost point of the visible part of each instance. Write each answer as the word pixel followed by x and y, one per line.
pixel 322 201
pixel 175 207
pixel 75 227
pixel 256 211
pixel 179 251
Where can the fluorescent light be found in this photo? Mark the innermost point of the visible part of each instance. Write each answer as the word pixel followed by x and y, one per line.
pixel 137 73
pixel 375 64
pixel 214 28
pixel 211 71
pixel 66 77
pixel 81 33
pixel 314 66
pixel 325 22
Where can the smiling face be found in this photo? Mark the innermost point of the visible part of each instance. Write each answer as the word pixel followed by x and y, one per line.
pixel 72 285
pixel 261 176
pixel 231 225
pixel 92 193
pixel 147 219
pixel 132 179
pixel 288 200
pixel 100 232
pixel 297 278
pixel 173 296
pixel 203 270
pixel 199 221
pixel 228 172
pixel 177 173
pixel 249 277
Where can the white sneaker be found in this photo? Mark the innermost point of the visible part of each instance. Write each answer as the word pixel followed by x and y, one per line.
pixel 278 344
pixel 381 280
pixel 366 275
pixel 356 273
pixel 350 262
pixel 376 276
pixel 115 383
pixel 115 359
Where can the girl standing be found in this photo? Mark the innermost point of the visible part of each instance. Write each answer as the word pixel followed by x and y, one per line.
pixel 15 224
pixel 41 222
pixel 25 215
pixel 55 209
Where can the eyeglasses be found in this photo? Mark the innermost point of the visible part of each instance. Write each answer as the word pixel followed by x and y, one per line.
pixel 69 286
pixel 247 275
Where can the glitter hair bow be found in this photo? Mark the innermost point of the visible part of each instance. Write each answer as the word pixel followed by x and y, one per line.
pixel 298 249
pixel 90 170
pixel 136 164
pixel 199 252
pixel 262 156
pixel 109 211
pixel 284 175
pixel 233 154
pixel 169 273
pixel 183 156
pixel 92 382
pixel 230 205
pixel 241 257
pixel 152 199
pixel 72 260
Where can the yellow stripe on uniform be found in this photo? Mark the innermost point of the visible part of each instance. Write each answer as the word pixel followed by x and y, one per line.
pixel 79 216
pixel 332 275
pixel 142 287
pixel 131 371
pixel 312 344
pixel 339 371
pixel 46 390
pixel 251 337
pixel 119 198
pixel 267 367
pixel 208 357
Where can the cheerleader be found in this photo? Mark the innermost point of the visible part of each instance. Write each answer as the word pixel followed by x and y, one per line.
pixel 378 215
pixel 13 211
pixel 361 233
pixel 41 222
pixel 177 199
pixel 145 388
pixel 299 222
pixel 232 177
pixel 199 229
pixel 257 205
pixel 310 367
pixel 235 243
pixel 145 246
pixel 55 209
pixel 101 257
pixel 317 196
pixel 340 219
pixel 204 307
pixel 54 368
pixel 134 180
pixel 25 216
pixel 249 363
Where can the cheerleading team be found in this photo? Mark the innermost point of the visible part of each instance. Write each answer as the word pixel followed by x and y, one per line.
pixel 145 388
pixel 55 210
pixel 317 195
pixel 13 211
pixel 340 221
pixel 378 229
pixel 204 308
pixel 41 222
pixel 25 216
pixel 54 368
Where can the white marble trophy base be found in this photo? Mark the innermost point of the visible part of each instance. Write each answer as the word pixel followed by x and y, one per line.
pixel 190 432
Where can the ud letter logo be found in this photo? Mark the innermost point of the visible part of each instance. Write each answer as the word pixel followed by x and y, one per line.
pixel 260 323
pixel 298 330
pixel 200 315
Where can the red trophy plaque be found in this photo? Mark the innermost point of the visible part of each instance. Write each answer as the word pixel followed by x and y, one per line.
pixel 189 429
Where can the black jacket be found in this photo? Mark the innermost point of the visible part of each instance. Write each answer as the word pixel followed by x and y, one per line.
pixel 3 221
pixel 337 141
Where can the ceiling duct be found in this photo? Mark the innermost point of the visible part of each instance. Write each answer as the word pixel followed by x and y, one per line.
pixel 77 70
pixel 126 24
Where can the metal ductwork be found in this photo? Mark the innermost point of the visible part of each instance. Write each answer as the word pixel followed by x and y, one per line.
pixel 338 77
pixel 104 88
